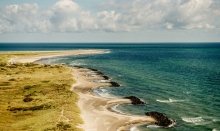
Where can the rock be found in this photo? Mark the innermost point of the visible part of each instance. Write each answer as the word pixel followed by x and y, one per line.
pixel 79 67
pixel 134 100
pixel 28 99
pixel 93 69
pixel 99 73
pixel 114 84
pixel 162 119
pixel 105 77
pixel 96 71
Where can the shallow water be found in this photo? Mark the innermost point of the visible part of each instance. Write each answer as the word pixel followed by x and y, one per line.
pixel 180 80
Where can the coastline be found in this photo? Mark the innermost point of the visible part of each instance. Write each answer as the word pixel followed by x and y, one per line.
pixel 52 54
pixel 96 111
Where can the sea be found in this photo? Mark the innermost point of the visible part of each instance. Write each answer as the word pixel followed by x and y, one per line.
pixel 181 80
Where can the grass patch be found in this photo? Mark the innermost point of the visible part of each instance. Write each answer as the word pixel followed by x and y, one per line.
pixel 37 97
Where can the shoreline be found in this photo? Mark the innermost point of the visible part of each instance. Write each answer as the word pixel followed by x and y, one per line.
pixel 53 54
pixel 96 111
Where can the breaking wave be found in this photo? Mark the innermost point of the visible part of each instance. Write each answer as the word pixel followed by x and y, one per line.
pixel 196 120
pixel 169 100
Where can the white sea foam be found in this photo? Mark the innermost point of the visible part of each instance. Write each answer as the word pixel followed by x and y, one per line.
pixel 114 108
pixel 77 63
pixel 119 75
pixel 187 92
pixel 102 92
pixel 196 120
pixel 107 51
pixel 101 81
pixel 134 128
pixel 153 126
pixel 215 120
pixel 193 119
pixel 169 100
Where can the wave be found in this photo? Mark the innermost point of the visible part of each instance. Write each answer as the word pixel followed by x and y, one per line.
pixel 114 108
pixel 102 92
pixel 107 51
pixel 215 120
pixel 77 63
pixel 196 120
pixel 153 126
pixel 187 92
pixel 134 128
pixel 169 100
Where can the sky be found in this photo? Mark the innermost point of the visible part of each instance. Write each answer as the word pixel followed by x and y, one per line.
pixel 109 21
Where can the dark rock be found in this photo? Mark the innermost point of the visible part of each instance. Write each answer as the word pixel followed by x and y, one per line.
pixel 78 66
pixel 28 99
pixel 105 77
pixel 99 73
pixel 93 69
pixel 162 119
pixel 114 84
pixel 134 100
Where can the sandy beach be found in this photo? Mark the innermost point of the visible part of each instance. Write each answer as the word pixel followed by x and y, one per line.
pixel 52 54
pixel 96 111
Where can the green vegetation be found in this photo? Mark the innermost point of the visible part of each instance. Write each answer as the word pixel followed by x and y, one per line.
pixel 37 97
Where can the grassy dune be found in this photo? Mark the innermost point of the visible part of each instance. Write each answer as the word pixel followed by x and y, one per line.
pixel 36 97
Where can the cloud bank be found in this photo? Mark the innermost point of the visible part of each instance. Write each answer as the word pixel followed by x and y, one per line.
pixel 114 16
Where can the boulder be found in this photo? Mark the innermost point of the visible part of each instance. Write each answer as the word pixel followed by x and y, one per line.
pixel 105 77
pixel 99 73
pixel 162 119
pixel 77 66
pixel 134 100
pixel 114 84
pixel 93 69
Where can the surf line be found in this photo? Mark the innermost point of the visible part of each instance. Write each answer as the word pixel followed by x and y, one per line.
pixel 102 109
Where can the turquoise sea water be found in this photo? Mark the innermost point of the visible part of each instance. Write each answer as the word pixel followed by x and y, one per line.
pixel 182 81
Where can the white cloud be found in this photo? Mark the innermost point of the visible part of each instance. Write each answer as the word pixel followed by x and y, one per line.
pixel 126 15
pixel 181 14
pixel 23 18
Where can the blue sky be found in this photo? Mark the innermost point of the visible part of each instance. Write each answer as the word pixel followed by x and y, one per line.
pixel 109 21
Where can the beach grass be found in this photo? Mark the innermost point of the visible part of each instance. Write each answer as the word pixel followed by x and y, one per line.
pixel 36 97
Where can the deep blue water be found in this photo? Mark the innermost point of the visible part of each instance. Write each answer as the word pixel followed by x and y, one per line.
pixel 68 46
pixel 180 80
